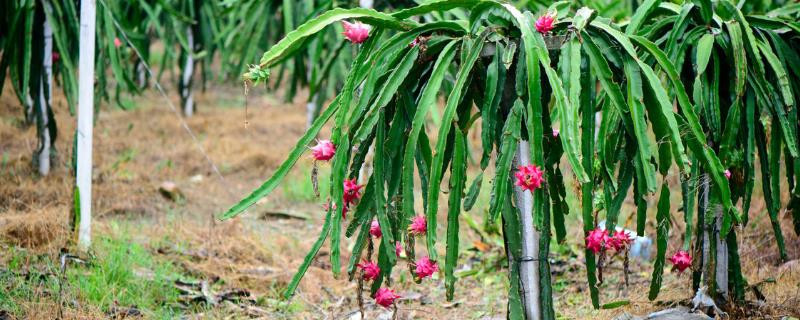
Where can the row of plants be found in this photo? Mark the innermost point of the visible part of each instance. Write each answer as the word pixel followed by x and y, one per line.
pixel 39 42
pixel 697 90
pixel 140 41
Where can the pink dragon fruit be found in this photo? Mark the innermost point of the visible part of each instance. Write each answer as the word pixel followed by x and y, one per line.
pixel 425 268
pixel 596 240
pixel 375 229
pixel 545 23
pixel 681 260
pixel 323 151
pixel 619 241
pixel 385 297
pixel 419 226
pixel 529 177
pixel 356 32
pixel 370 270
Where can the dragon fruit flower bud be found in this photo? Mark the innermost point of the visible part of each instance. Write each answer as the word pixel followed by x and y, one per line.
pixel 545 23
pixel 370 270
pixel 425 268
pixel 419 226
pixel 352 191
pixel 596 240
pixel 727 174
pixel 117 43
pixel 356 32
pixel 681 260
pixel 327 207
pixel 385 297
pixel 397 248
pixel 324 150
pixel 375 229
pixel 529 177
pixel 555 133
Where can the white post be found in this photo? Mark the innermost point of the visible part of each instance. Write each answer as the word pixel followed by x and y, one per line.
pixel 186 78
pixel 29 117
pixel 528 265
pixel 311 105
pixel 44 97
pixel 85 121
pixel 142 73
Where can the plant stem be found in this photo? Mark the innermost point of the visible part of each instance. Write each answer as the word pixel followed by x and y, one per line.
pixel 528 266
pixel 721 255
pixel 715 249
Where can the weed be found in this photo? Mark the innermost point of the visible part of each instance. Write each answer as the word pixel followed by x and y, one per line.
pixel 121 274
pixel 161 165
pixel 125 274
pixel 21 284
pixel 4 162
pixel 299 188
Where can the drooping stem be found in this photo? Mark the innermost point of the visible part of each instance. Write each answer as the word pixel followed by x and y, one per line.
pixel 512 243
pixel 366 169
pixel 528 266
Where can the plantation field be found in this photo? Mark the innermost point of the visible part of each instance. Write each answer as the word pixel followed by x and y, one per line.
pixel 163 254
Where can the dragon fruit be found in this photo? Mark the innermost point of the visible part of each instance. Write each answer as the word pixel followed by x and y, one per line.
pixel 529 177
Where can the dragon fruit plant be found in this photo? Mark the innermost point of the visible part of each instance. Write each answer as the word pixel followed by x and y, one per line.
pixel 551 89
pixel 740 66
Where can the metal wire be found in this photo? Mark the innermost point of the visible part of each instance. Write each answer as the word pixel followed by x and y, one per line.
pixel 175 111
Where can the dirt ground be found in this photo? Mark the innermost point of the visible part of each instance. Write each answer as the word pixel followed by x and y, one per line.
pixel 136 151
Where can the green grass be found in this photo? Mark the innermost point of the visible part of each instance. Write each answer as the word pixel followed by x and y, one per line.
pixel 17 288
pixel 125 274
pixel 298 187
pixel 121 273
